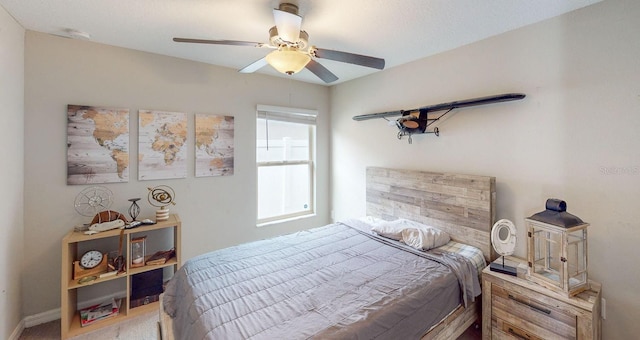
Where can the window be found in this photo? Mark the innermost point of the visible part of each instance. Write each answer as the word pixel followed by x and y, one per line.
pixel 285 153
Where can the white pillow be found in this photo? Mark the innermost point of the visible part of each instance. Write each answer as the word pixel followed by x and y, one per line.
pixel 412 233
pixel 424 239
pixel 389 229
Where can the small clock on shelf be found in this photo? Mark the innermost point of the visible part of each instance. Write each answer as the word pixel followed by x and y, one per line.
pixel 91 259
pixel 91 263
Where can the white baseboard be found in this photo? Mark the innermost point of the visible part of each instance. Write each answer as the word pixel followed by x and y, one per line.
pixel 54 314
pixel 34 320
pixel 18 331
pixel 40 318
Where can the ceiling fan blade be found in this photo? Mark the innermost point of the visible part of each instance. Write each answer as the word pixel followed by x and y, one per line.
pixel 221 42
pixel 256 65
pixel 288 25
pixel 321 71
pixel 350 58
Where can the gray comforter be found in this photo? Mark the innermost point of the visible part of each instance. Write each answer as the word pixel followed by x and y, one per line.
pixel 339 281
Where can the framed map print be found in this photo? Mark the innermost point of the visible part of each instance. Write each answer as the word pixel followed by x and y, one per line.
pixel 214 145
pixel 162 139
pixel 97 145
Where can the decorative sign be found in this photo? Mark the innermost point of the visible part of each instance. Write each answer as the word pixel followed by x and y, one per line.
pixel 97 145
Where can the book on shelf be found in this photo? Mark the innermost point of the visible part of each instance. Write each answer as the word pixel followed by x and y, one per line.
pixel 161 257
pixel 95 313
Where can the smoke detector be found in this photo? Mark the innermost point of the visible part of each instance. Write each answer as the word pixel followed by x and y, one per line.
pixel 76 34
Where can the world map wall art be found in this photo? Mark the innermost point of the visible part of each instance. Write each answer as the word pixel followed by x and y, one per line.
pixel 97 145
pixel 162 139
pixel 214 145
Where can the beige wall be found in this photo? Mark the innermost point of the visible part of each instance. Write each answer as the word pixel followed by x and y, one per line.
pixel 11 168
pixel 574 137
pixel 216 211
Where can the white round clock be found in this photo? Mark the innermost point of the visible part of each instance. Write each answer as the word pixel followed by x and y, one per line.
pixel 91 259
pixel 503 237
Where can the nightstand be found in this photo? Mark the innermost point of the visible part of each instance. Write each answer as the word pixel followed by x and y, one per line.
pixel 513 307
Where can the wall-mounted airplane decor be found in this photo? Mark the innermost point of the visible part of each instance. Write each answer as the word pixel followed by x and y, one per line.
pixel 417 120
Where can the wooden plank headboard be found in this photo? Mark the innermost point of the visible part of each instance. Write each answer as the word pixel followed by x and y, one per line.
pixel 461 205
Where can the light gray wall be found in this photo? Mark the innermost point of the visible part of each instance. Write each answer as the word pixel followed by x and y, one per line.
pixel 11 170
pixel 574 137
pixel 216 211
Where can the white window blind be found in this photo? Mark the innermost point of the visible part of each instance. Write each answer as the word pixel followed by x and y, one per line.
pixel 285 149
pixel 285 114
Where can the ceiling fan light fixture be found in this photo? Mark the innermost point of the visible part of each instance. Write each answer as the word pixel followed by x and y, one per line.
pixel 288 60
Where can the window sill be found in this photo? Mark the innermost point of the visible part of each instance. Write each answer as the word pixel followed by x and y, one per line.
pixel 284 220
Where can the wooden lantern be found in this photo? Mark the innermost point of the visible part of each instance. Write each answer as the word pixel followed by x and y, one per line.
pixel 557 249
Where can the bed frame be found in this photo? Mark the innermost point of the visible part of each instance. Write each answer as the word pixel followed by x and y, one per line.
pixel 461 205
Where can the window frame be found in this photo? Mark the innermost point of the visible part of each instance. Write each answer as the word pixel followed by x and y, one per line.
pixel 289 115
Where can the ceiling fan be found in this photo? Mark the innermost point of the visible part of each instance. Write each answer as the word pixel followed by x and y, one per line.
pixel 291 47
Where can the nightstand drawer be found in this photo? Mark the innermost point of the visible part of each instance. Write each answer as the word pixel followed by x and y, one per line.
pixel 529 318
pixel 505 330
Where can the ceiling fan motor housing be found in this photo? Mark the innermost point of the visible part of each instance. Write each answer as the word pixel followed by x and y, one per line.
pixel 288 7
pixel 275 39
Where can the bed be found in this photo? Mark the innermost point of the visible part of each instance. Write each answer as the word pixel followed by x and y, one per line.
pixel 343 280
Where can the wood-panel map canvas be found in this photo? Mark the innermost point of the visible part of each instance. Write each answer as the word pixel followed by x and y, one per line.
pixel 97 145
pixel 214 145
pixel 162 139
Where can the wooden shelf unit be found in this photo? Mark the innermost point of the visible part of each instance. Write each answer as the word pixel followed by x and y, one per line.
pixel 70 316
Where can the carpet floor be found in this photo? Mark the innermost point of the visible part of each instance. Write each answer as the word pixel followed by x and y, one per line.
pixel 143 327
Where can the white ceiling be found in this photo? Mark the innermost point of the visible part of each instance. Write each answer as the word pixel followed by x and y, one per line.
pixel 399 31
